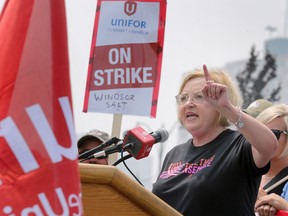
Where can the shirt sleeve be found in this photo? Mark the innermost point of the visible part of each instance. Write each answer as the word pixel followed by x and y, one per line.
pixel 285 192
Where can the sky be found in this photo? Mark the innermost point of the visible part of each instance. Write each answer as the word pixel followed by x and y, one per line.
pixel 197 32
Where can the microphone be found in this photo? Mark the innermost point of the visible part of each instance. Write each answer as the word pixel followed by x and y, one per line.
pixel 137 142
pixel 91 152
pixel 160 135
pixel 143 141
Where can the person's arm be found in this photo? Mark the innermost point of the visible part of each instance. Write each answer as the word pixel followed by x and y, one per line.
pixel 262 139
pixel 268 205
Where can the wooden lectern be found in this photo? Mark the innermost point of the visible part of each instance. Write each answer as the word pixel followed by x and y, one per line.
pixel 107 191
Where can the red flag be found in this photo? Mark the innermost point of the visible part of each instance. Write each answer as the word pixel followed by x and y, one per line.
pixel 38 153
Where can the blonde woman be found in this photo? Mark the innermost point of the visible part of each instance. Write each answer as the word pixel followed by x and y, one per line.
pixel 218 171
pixel 275 118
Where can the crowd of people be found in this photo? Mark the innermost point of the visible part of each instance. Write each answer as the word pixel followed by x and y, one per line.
pixel 236 162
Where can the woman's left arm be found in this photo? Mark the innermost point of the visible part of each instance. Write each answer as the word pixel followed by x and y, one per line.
pixel 263 141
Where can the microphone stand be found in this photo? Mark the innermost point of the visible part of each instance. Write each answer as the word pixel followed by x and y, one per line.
pixel 115 148
pixel 90 152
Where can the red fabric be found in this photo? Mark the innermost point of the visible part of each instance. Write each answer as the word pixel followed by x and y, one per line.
pixel 34 72
pixel 281 213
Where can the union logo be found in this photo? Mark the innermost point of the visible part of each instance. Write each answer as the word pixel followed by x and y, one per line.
pixel 130 8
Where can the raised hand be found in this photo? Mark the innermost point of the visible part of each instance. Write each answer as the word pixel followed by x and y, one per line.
pixel 214 93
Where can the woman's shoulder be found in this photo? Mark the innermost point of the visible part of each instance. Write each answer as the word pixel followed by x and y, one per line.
pixel 181 146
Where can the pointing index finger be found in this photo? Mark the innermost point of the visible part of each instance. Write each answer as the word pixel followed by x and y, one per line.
pixel 206 73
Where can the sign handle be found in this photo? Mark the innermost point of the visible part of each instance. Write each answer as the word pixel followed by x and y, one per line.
pixel 116 127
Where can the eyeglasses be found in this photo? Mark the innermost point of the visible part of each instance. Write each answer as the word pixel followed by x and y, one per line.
pixel 196 97
pixel 278 133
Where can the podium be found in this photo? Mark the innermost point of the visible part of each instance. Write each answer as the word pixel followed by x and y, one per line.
pixel 107 191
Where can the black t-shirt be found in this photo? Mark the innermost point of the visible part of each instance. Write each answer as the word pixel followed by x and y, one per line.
pixel 219 178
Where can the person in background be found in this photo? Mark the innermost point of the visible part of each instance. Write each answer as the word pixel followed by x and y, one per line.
pixel 257 106
pixel 91 140
pixel 218 170
pixel 276 118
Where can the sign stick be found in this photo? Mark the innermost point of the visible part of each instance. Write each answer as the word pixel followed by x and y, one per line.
pixel 116 127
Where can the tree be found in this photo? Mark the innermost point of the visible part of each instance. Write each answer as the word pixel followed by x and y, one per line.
pixel 256 84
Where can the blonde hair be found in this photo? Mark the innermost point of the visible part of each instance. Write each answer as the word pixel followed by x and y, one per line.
pixel 275 111
pixel 220 77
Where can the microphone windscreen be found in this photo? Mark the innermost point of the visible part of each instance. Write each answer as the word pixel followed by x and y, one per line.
pixel 163 133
